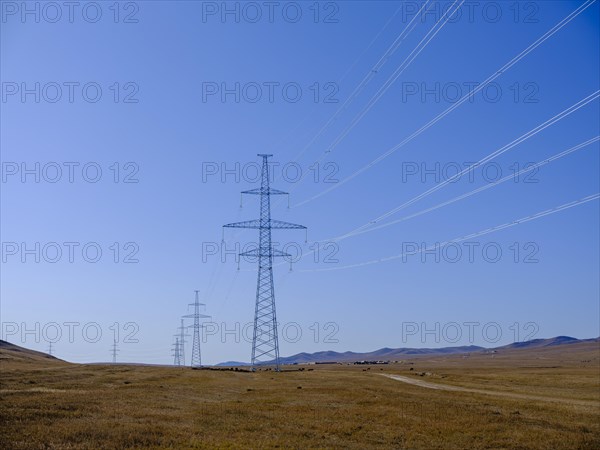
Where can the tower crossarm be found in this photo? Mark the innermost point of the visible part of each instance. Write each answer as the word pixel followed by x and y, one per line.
pixel 194 304
pixel 279 224
pixel 270 191
pixel 274 253
pixel 273 224
pixel 246 224
pixel 191 316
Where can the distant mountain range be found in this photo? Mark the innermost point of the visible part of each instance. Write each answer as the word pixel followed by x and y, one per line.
pixel 10 351
pixel 394 354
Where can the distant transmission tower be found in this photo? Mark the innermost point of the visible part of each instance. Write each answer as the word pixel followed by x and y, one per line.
pixel 114 351
pixel 176 353
pixel 182 335
pixel 50 348
pixel 265 344
pixel 196 359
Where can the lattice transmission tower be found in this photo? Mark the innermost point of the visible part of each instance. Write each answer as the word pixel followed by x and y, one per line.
pixel 265 343
pixel 176 353
pixel 50 348
pixel 114 350
pixel 196 357
pixel 182 335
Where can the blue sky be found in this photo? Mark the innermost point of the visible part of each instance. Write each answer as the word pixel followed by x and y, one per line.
pixel 173 134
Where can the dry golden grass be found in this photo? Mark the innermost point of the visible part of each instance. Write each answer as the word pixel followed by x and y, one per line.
pixel 52 404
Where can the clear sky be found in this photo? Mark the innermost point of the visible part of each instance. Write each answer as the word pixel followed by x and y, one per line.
pixel 168 117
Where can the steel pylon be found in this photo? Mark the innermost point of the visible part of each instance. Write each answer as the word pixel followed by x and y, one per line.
pixel 265 342
pixel 196 356
pixel 182 335
pixel 114 350
pixel 176 353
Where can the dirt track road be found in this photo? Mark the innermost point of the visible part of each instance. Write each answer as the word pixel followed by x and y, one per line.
pixel 445 387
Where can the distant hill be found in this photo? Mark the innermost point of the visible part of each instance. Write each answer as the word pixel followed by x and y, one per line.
pixel 10 351
pixel 383 354
pixel 232 364
pixel 558 340
pixel 394 354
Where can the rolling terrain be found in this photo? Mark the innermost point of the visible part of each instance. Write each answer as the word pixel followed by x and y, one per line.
pixel 542 396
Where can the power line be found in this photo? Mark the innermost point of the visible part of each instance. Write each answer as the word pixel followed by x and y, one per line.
pixel 216 274
pixel 368 76
pixel 494 154
pixel 529 168
pixel 223 304
pixel 393 46
pixel 466 195
pixel 463 99
pixel 297 126
pixel 371 73
pixel 362 230
pixel 409 59
pixel 383 89
pixel 469 236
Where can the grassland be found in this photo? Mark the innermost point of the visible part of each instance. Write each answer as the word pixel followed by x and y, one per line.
pixel 545 398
